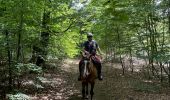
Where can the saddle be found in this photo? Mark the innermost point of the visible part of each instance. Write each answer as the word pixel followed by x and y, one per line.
pixel 95 59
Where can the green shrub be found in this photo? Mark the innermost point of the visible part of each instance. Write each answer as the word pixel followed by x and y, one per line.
pixel 18 96
pixel 21 69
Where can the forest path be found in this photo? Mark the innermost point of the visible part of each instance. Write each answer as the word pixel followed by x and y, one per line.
pixel 62 84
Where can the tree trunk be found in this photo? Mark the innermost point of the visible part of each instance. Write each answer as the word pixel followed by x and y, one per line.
pixel 9 59
pixel 169 17
pixel 19 35
pixel 120 57
pixel 131 60
pixel 168 64
pixel 45 33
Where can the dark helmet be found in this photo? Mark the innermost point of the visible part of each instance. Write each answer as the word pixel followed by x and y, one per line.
pixel 89 34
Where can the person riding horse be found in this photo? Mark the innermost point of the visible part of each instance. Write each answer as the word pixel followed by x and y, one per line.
pixel 91 47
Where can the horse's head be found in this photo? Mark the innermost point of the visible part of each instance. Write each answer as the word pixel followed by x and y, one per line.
pixel 85 67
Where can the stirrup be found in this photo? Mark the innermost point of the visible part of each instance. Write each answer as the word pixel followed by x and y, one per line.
pixel 79 78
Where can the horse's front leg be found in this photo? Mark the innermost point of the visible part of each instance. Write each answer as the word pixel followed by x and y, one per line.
pixel 87 91
pixel 83 90
pixel 91 91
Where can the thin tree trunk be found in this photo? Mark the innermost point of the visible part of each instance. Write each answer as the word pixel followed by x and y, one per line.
pixel 9 59
pixel 168 64
pixel 20 28
pixel 161 66
pixel 45 33
pixel 131 60
pixel 169 17
pixel 162 50
pixel 153 46
pixel 120 57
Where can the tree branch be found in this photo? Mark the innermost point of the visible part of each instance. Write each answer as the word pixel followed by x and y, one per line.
pixel 59 33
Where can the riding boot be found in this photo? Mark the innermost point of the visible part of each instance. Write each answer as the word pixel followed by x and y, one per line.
pixel 79 77
pixel 100 77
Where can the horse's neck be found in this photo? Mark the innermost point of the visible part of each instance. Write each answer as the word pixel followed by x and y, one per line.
pixel 92 69
pixel 91 65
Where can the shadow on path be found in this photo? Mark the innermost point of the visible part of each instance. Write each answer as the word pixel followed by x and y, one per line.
pixel 61 84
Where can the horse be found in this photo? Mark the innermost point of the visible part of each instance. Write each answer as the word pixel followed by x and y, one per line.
pixel 88 76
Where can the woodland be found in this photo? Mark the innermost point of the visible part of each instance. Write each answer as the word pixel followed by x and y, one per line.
pixel 37 37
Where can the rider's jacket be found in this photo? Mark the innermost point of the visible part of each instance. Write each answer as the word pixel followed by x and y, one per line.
pixel 90 46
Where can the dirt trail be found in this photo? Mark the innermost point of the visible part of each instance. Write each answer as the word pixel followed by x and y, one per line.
pixel 62 84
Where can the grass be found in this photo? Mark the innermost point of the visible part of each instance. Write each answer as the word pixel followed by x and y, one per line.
pixel 140 86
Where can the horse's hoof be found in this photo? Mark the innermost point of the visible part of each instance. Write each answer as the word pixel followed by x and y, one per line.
pixel 86 97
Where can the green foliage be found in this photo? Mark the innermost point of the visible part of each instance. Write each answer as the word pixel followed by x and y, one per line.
pixel 21 69
pixel 18 96
pixel 106 19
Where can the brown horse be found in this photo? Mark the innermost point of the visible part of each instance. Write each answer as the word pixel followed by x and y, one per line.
pixel 88 76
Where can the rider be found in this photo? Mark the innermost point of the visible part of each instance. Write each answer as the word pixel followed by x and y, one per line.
pixel 91 47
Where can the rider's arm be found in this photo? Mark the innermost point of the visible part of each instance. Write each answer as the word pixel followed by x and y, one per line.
pixel 99 50
pixel 83 50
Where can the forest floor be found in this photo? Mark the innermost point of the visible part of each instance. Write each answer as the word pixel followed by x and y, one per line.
pixel 61 84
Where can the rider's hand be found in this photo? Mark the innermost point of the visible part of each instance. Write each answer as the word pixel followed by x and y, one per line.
pixel 102 56
pixel 86 52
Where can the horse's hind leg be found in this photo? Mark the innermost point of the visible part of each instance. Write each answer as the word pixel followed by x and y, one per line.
pixel 91 91
pixel 83 90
